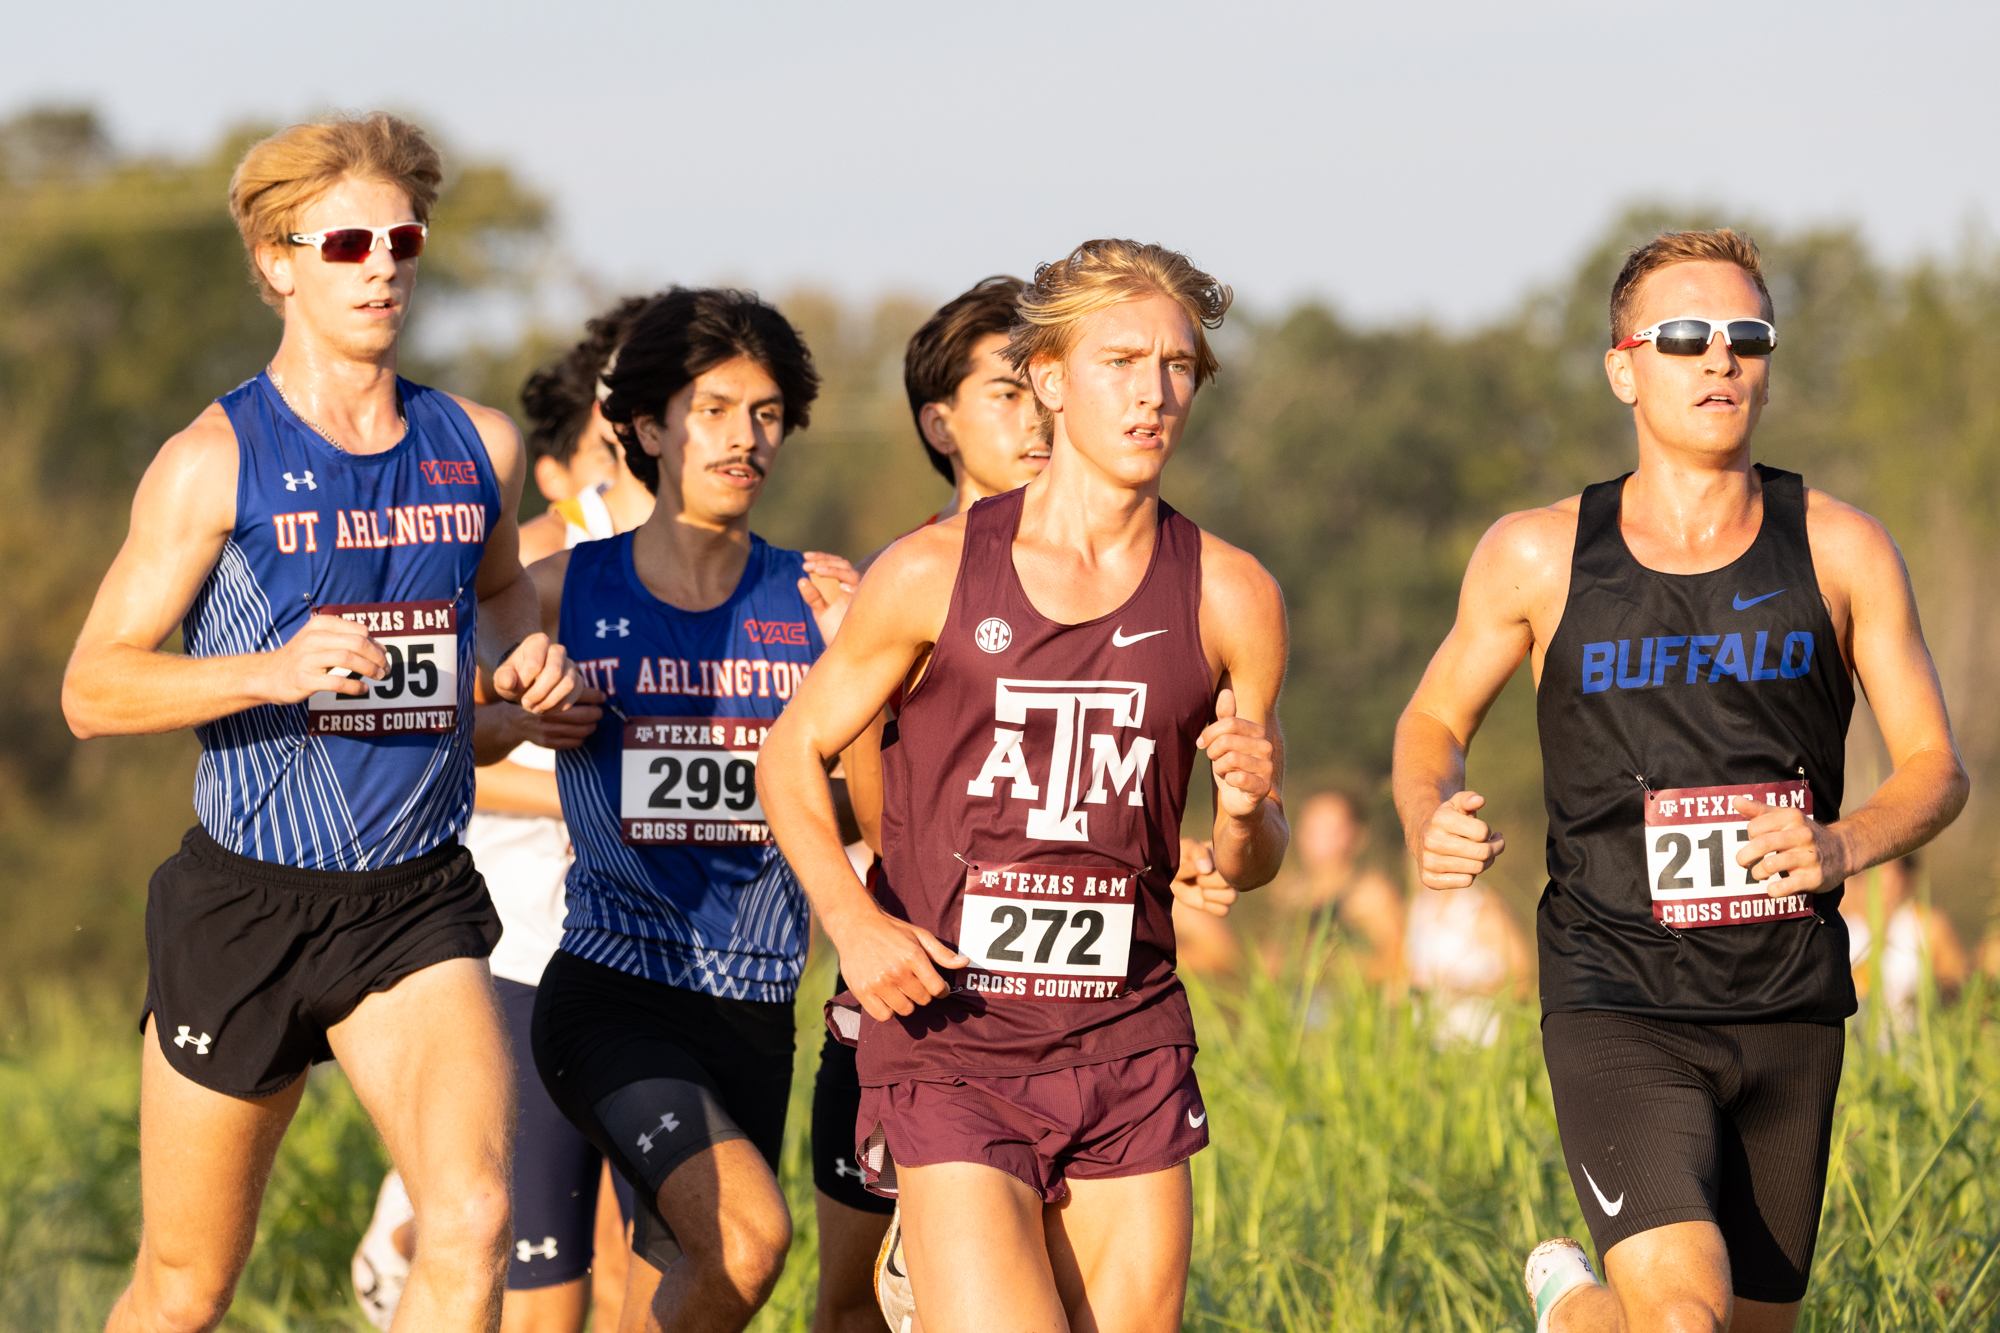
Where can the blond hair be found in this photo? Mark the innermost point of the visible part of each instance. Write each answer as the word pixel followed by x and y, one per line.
pixel 1721 246
pixel 1102 273
pixel 280 177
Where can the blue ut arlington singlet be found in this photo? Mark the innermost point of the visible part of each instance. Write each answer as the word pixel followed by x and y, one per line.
pixel 676 877
pixel 392 541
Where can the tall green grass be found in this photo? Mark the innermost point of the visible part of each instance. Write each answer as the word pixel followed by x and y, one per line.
pixel 1365 1174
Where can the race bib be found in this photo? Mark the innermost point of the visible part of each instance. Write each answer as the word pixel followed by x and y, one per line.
pixel 691 781
pixel 420 693
pixel 1692 837
pixel 1043 932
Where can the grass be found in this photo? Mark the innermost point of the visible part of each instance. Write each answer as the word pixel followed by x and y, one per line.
pixel 1365 1174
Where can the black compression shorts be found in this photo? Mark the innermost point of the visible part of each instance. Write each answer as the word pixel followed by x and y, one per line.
pixel 653 1074
pixel 556 1171
pixel 836 1106
pixel 1667 1122
pixel 251 962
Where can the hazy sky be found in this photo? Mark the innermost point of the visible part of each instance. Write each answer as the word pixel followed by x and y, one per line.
pixel 1433 159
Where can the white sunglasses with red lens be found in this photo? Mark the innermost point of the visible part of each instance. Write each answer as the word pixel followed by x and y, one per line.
pixel 1690 335
pixel 351 245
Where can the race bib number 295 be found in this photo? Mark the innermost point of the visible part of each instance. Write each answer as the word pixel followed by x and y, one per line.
pixel 1692 838
pixel 1042 932
pixel 420 693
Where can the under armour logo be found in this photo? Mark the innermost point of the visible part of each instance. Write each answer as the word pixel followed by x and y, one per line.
pixel 622 628
pixel 546 1250
pixel 200 1043
pixel 292 483
pixel 844 1168
pixel 668 1124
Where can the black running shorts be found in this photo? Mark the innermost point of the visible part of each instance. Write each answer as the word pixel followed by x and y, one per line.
pixel 653 1074
pixel 556 1171
pixel 836 1106
pixel 1668 1122
pixel 252 962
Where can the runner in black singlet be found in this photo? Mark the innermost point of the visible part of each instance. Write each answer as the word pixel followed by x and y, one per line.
pixel 1696 629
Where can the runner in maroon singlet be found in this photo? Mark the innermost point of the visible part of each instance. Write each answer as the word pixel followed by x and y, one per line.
pixel 976 419
pixel 1026 1053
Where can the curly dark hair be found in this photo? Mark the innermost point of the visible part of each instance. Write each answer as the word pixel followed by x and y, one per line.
pixel 559 396
pixel 686 332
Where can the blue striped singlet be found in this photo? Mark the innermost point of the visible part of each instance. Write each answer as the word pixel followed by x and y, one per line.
pixel 393 541
pixel 676 877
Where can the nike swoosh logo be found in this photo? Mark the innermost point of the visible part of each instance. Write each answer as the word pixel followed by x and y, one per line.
pixel 1119 638
pixel 1612 1209
pixel 1742 605
pixel 1194 1121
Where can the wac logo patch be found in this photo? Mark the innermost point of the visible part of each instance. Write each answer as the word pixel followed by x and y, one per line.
pixel 448 472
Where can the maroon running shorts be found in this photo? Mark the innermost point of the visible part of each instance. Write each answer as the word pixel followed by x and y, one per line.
pixel 1126 1117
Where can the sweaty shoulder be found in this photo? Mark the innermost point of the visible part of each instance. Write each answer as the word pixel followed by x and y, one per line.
pixel 1235 582
pixel 496 430
pixel 1242 612
pixel 1844 537
pixel 1857 563
pixel 911 581
pixel 193 477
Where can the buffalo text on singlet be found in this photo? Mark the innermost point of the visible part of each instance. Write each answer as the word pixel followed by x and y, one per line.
pixel 676 877
pixel 1663 697
pixel 393 542
pixel 1033 786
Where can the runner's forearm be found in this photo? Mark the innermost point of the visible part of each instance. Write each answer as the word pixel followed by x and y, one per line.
pixel 1429 769
pixel 506 617
pixel 118 689
pixel 1912 807
pixel 1248 852
pixel 798 805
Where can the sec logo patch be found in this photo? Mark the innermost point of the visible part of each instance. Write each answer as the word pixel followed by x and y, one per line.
pixel 993 635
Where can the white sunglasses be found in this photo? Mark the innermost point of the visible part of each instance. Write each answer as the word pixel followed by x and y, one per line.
pixel 351 245
pixel 1690 335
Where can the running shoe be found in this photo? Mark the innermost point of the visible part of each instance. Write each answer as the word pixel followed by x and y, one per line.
pixel 1555 1268
pixel 380 1270
pixel 892 1279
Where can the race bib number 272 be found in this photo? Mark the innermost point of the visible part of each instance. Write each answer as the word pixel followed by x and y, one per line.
pixel 1052 933
pixel 420 692
pixel 1692 837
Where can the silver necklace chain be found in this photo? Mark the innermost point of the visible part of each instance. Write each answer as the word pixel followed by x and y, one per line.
pixel 279 384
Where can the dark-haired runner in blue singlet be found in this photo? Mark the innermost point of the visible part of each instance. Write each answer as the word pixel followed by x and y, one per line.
pixel 663 1025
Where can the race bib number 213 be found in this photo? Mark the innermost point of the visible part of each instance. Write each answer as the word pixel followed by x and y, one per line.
pixel 1692 837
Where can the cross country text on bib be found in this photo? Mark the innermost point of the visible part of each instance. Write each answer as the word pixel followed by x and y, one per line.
pixel 1045 932
pixel 691 781
pixel 420 693
pixel 1692 837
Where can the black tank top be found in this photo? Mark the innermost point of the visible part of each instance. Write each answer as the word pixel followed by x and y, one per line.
pixel 1033 785
pixel 1662 696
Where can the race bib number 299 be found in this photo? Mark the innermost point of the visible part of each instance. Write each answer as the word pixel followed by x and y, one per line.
pixel 1042 932
pixel 1692 838
pixel 420 693
pixel 691 781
